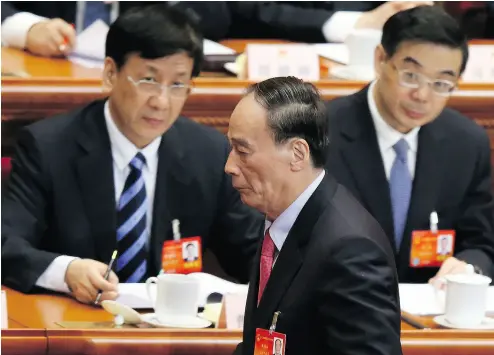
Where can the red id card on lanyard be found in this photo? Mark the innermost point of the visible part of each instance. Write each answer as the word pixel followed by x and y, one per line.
pixel 182 256
pixel 269 343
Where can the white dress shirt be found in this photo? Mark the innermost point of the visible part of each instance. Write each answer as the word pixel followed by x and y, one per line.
pixel 279 229
pixel 387 137
pixel 339 26
pixel 123 151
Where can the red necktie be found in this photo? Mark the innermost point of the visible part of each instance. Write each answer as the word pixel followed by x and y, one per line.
pixel 266 264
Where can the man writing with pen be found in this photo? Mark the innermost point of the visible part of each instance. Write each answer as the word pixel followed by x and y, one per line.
pixel 115 173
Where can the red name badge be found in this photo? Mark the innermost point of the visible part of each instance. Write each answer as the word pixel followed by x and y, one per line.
pixel 182 256
pixel 269 342
pixel 430 249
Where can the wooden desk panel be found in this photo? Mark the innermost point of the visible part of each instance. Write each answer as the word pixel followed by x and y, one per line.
pixel 24 342
pixel 42 313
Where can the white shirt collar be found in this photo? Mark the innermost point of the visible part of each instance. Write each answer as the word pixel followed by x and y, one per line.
pixel 279 229
pixel 123 150
pixel 387 136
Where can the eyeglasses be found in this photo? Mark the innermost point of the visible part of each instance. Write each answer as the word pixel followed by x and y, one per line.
pixel 153 88
pixel 414 80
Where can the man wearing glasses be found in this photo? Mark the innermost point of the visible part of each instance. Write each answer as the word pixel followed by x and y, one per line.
pixel 404 155
pixel 115 173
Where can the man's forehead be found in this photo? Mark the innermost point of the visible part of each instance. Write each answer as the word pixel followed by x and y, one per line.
pixel 180 63
pixel 434 58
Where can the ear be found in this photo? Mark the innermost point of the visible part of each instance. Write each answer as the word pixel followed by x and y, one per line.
pixel 109 74
pixel 379 60
pixel 300 154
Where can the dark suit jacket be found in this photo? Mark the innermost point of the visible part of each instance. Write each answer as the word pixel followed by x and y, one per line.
pixel 452 177
pixel 61 200
pixel 334 282
pixel 291 20
pixel 65 10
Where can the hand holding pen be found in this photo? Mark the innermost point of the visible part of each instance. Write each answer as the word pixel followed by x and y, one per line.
pixel 86 278
pixel 107 274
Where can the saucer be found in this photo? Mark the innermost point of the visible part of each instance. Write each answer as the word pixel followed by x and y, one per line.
pixel 175 322
pixel 487 323
pixel 129 315
pixel 357 73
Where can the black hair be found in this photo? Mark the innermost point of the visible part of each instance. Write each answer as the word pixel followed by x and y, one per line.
pixel 429 24
pixel 153 32
pixel 294 109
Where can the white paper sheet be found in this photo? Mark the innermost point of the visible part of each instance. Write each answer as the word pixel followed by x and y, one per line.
pixel 5 318
pixel 90 43
pixel 337 52
pixel 135 295
pixel 210 47
pixel 421 299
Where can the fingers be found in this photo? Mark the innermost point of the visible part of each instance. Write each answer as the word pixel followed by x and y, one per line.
pixel 451 266
pixel 98 281
pixel 113 279
pixel 67 34
pixel 108 296
pixel 85 278
pixel 85 294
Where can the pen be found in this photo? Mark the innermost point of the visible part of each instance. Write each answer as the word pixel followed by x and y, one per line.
pixel 412 322
pixel 107 274
pixel 65 42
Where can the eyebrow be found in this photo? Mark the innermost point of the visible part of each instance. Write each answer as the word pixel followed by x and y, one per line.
pixel 417 63
pixel 240 141
pixel 154 70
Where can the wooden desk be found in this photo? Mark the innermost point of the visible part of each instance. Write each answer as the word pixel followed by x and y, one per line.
pixel 44 87
pixel 45 317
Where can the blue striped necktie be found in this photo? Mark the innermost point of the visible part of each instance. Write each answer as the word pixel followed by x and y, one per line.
pixel 132 233
pixel 400 186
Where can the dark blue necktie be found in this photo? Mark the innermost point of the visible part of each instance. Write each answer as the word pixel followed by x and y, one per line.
pixel 96 10
pixel 132 233
pixel 400 186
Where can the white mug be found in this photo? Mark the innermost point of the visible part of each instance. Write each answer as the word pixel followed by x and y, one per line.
pixel 466 299
pixel 361 45
pixel 176 296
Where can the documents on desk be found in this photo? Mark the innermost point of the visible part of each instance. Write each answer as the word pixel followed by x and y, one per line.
pixel 135 295
pixel 337 52
pixel 423 300
pixel 5 318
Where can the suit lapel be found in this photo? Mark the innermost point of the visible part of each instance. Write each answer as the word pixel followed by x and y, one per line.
pixel 95 174
pixel 361 153
pixel 431 155
pixel 172 181
pixel 290 258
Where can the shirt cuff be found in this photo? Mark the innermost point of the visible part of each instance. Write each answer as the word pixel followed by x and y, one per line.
pixel 53 278
pixel 339 26
pixel 16 27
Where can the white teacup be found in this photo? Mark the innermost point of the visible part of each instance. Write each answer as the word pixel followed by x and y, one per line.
pixel 361 45
pixel 466 299
pixel 176 297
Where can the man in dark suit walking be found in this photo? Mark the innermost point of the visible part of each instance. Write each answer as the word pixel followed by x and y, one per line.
pixel 404 155
pixel 115 173
pixel 324 262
